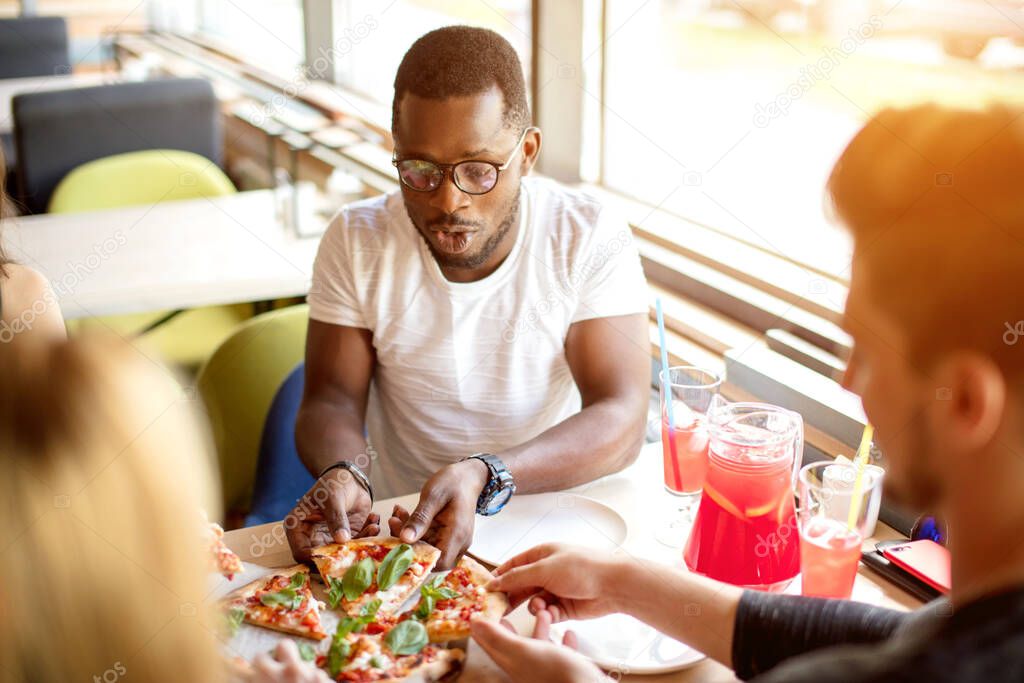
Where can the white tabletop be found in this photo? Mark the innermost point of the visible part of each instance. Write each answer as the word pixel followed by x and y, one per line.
pixel 176 254
pixel 9 87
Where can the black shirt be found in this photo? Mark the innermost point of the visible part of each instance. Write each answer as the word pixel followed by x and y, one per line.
pixel 792 638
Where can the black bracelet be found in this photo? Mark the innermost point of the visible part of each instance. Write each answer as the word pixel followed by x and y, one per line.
pixel 356 472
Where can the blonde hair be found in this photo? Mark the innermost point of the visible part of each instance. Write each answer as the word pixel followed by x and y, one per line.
pixel 932 196
pixel 102 563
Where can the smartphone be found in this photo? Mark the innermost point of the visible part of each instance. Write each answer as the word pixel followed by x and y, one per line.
pixel 925 560
pixel 875 561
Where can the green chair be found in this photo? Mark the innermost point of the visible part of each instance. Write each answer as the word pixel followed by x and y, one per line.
pixel 238 384
pixel 148 177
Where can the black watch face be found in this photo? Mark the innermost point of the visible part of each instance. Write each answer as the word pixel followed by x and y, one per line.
pixel 498 501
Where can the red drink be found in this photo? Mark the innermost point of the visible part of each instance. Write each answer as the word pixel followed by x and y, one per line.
pixel 829 553
pixel 745 530
pixel 684 455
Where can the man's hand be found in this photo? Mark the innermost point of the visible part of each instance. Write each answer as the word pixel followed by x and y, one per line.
pixel 447 509
pixel 329 512
pixel 286 666
pixel 567 582
pixel 538 659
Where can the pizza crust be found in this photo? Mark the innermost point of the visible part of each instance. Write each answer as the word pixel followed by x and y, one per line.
pixel 446 665
pixel 494 608
pixel 253 587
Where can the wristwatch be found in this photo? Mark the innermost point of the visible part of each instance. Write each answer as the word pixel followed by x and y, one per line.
pixel 499 487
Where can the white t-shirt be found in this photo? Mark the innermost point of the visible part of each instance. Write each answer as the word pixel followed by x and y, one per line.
pixel 471 367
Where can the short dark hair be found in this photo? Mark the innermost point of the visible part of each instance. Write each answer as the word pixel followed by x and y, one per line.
pixel 456 61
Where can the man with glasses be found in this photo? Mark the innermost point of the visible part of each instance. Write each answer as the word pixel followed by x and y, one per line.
pixel 487 330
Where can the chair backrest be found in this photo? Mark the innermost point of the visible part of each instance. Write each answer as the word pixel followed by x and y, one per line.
pixel 58 131
pixel 34 46
pixel 237 385
pixel 146 177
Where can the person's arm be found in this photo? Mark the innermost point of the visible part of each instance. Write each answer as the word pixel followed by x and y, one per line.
pixel 610 361
pixel 747 630
pixel 772 628
pixel 329 428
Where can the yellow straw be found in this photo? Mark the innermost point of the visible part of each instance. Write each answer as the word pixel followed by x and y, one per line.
pixel 860 462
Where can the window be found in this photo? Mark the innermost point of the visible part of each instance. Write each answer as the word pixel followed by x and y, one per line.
pixel 732 112
pixel 376 35
pixel 267 33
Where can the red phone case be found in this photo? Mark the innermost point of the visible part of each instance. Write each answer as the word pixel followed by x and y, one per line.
pixel 927 560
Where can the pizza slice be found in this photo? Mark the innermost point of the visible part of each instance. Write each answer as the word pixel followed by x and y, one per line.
pixel 280 602
pixel 374 568
pixel 223 559
pixel 402 653
pixel 448 604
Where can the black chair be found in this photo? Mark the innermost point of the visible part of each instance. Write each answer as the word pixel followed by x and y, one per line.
pixel 57 131
pixel 34 46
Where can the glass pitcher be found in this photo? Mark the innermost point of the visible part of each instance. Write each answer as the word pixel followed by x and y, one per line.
pixel 745 532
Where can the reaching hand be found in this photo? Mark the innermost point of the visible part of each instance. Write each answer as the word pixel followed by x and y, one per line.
pixel 446 511
pixel 567 582
pixel 334 506
pixel 286 666
pixel 535 659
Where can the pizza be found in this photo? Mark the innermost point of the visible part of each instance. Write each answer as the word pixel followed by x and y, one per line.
pixel 222 558
pixel 280 602
pixel 448 604
pixel 401 654
pixel 375 568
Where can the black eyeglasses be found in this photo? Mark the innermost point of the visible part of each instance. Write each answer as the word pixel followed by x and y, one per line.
pixel 472 177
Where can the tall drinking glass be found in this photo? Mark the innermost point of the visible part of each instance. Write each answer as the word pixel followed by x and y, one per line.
pixel 829 546
pixel 684 443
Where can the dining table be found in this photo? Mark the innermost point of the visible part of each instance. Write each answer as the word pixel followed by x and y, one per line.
pixel 637 494
pixel 179 254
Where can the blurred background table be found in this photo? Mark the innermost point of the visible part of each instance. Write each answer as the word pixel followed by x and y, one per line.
pixel 177 255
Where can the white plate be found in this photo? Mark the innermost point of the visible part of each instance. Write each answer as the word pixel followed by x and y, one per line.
pixel 618 642
pixel 547 518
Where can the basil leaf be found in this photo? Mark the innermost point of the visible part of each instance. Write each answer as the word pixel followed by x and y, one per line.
pixel 286 598
pixel 348 625
pixel 426 606
pixel 358 578
pixel 445 593
pixel 378 662
pixel 235 617
pixel 337 656
pixel 298 581
pixel 394 565
pixel 407 638
pixel 307 652
pixel 369 611
pixel 334 591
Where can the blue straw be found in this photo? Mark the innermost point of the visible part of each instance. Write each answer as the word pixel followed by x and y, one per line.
pixel 664 365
